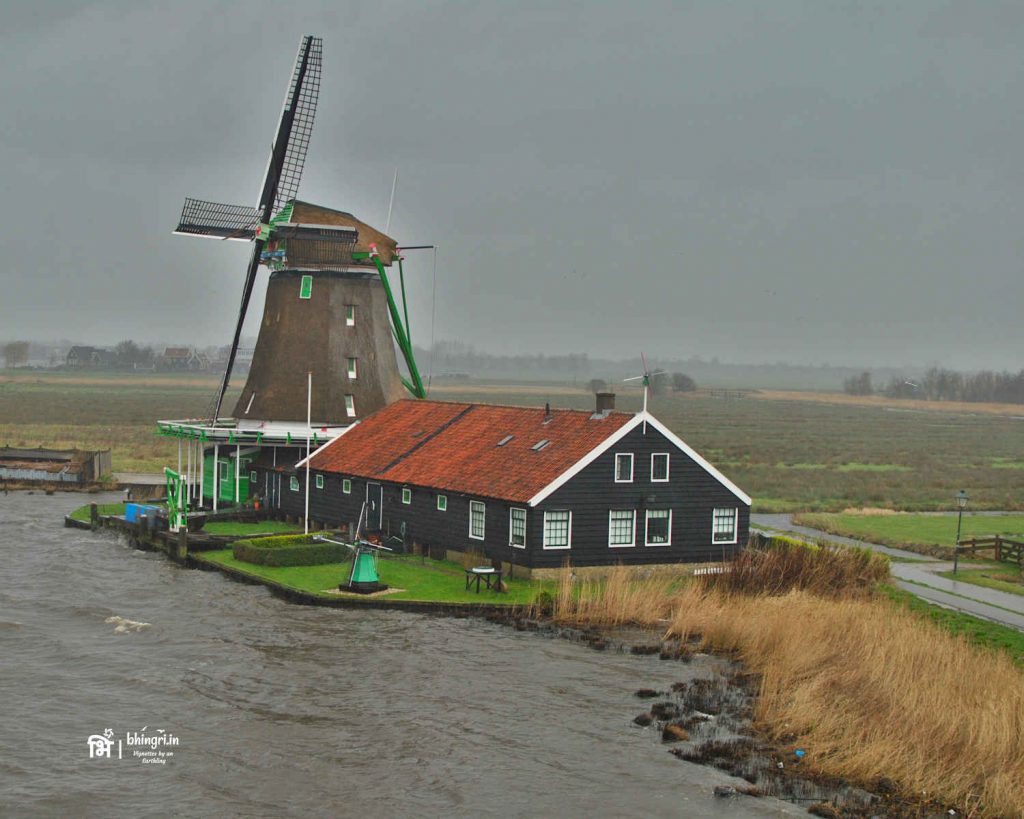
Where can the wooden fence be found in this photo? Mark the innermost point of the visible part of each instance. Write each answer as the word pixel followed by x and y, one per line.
pixel 1005 550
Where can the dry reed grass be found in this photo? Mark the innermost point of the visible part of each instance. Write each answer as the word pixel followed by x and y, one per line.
pixel 618 599
pixel 783 564
pixel 873 692
pixel 868 690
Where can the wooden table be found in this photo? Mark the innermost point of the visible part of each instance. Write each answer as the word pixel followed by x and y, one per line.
pixel 490 576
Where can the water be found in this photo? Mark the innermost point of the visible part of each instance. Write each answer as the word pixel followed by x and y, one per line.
pixel 283 710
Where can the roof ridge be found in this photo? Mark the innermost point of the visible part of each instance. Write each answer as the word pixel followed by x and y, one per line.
pixel 515 406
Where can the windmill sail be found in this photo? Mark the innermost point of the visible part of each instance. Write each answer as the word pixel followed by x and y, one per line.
pixel 284 170
pixel 201 218
pixel 288 156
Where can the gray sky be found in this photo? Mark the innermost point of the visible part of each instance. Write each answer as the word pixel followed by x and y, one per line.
pixel 815 181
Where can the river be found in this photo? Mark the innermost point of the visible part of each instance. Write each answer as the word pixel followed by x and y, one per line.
pixel 284 710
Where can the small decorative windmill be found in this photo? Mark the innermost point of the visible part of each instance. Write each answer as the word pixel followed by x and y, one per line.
pixel 645 380
pixel 363 578
pixel 327 279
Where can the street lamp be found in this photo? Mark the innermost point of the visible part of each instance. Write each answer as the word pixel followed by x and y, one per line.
pixel 961 504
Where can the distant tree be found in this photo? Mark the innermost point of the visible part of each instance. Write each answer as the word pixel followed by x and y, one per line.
pixel 681 382
pixel 597 385
pixel 15 353
pixel 128 355
pixel 900 387
pixel 859 384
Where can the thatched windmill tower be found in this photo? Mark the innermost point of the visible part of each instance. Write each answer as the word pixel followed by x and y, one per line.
pixel 329 307
pixel 330 316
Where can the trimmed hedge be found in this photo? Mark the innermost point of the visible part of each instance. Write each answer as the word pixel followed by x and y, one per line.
pixel 289 550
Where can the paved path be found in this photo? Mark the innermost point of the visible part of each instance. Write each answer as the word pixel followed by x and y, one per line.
pixel 140 478
pixel 921 578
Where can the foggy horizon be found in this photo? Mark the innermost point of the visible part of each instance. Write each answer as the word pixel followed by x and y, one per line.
pixel 796 183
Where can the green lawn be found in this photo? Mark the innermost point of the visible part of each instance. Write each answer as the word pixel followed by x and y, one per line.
pixel 976 630
pixel 433 580
pixel 82 512
pixel 1003 578
pixel 262 527
pixel 901 529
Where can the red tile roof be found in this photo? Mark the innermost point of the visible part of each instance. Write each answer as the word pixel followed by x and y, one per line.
pixel 454 446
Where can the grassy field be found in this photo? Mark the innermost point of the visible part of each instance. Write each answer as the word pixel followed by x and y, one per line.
pixel 116 411
pixel 419 579
pixel 788 454
pixel 924 530
pixel 1004 578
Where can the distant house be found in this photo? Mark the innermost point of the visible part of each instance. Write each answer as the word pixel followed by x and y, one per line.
pixel 184 359
pixel 90 358
pixel 525 485
pixel 81 357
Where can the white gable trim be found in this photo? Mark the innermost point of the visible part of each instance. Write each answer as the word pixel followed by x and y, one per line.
pixel 621 433
pixel 322 447
pixel 698 459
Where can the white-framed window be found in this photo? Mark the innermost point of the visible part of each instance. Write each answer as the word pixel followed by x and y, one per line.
pixel 350 406
pixel 659 467
pixel 224 467
pixel 442 503
pixel 353 367
pixel 557 529
pixel 658 529
pixel 293 483
pixel 319 481
pixel 517 527
pixel 477 512
pixel 406 495
pixel 724 525
pixel 346 486
pixel 350 315
pixel 252 477
pixel 623 467
pixel 306 287
pixel 622 527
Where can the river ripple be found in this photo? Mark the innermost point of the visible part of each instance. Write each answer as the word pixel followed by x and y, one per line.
pixel 283 710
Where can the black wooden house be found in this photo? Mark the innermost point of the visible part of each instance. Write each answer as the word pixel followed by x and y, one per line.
pixel 527 485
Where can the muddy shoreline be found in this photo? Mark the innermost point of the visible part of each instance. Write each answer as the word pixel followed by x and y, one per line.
pixel 709 720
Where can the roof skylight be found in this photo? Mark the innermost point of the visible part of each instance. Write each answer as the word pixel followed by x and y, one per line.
pixel 505 440
pixel 541 444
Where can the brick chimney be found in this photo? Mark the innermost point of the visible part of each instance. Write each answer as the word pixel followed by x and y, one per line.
pixel 605 402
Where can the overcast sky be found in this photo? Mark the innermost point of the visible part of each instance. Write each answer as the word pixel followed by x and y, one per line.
pixel 803 181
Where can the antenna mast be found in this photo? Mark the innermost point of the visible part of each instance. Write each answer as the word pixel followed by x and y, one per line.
pixel 391 204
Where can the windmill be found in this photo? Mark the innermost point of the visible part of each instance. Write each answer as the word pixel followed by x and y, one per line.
pixel 363 577
pixel 645 379
pixel 330 308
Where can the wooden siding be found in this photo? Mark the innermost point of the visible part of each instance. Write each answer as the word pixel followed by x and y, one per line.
pixel 424 523
pixel 691 493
